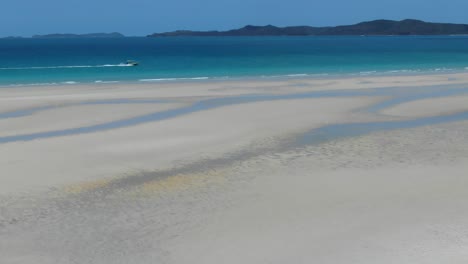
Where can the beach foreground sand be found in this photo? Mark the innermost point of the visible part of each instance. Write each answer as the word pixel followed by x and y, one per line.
pixel 333 170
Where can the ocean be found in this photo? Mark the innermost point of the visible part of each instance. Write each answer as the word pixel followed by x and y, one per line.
pixel 70 61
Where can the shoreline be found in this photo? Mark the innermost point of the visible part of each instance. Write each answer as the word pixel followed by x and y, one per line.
pixel 339 82
pixel 255 78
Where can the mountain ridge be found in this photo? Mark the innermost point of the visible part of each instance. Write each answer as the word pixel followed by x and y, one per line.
pixel 375 27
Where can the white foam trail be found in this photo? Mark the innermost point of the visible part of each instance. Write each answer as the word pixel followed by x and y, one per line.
pixel 157 80
pixel 298 75
pixel 69 82
pixel 443 69
pixel 68 67
pixel 172 79
pixel 321 74
pixel 99 81
pixel 30 84
pixel 367 72
pixel 397 71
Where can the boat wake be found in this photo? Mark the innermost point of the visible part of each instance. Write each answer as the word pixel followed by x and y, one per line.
pixel 68 67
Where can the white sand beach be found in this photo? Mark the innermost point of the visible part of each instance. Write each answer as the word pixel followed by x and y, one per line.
pixel 239 171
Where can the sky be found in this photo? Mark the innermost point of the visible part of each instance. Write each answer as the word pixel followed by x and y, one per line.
pixel 143 17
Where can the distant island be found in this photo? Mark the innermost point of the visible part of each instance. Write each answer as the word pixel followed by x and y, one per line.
pixel 90 35
pixel 12 37
pixel 370 28
pixel 379 27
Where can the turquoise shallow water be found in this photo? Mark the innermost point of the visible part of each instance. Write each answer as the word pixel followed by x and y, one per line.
pixel 46 61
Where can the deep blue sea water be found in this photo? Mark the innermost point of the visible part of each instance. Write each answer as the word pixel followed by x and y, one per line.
pixel 45 61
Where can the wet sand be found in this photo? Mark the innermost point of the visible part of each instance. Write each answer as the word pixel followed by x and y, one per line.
pixel 218 172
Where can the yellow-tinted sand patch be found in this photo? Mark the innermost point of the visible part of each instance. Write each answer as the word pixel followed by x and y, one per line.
pixel 87 186
pixel 181 182
pixel 176 182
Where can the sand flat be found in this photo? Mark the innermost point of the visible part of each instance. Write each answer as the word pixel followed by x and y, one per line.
pixel 234 182
pixel 394 215
pixel 362 198
pixel 430 107
pixel 74 116
pixel 156 145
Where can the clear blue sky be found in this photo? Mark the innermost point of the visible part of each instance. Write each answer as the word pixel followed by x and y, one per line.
pixel 141 17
